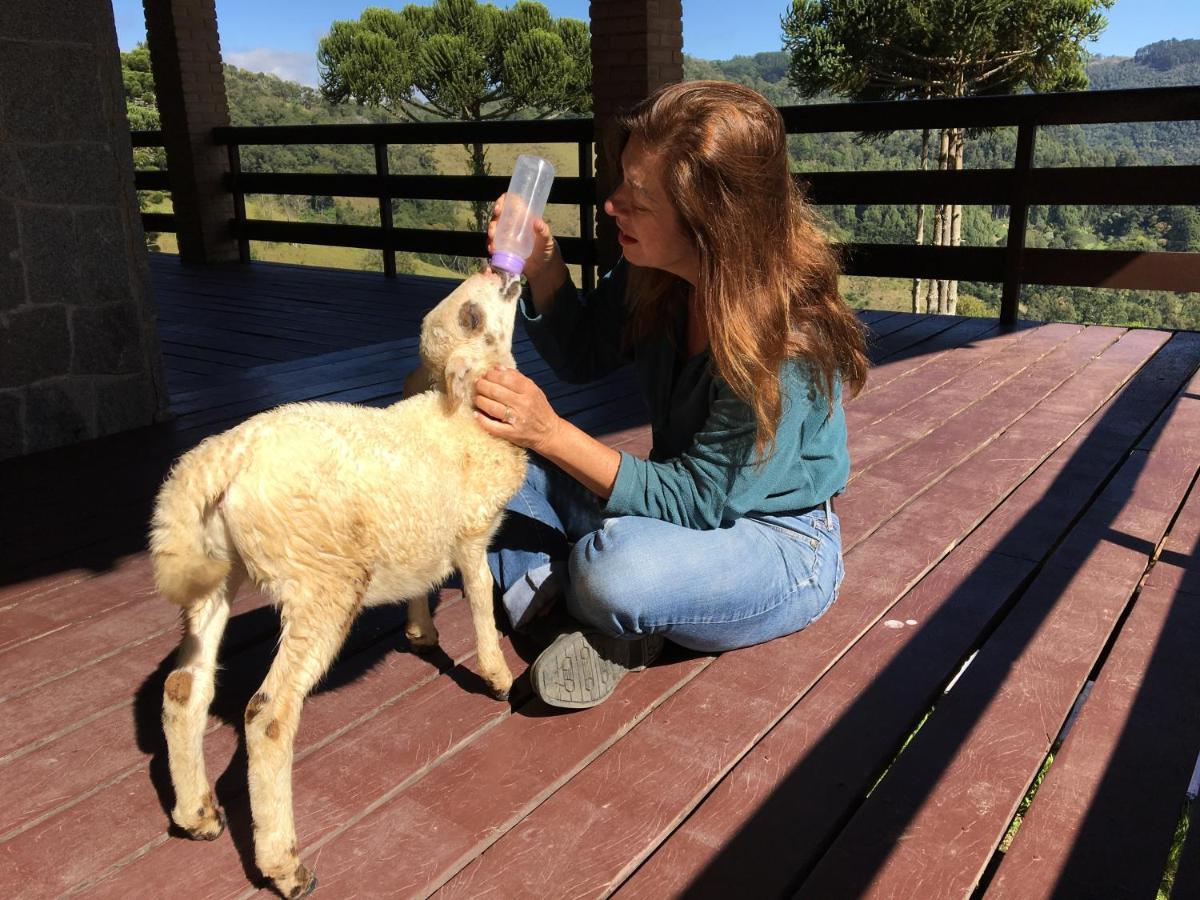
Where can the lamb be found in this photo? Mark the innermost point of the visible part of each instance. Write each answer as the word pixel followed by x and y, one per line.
pixel 330 507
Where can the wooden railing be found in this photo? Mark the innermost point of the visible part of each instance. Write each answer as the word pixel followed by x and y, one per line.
pixel 1018 188
pixel 576 190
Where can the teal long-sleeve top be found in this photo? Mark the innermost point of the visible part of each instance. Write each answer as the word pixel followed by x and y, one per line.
pixel 702 472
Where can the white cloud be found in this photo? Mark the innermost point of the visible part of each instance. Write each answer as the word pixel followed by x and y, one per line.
pixel 290 65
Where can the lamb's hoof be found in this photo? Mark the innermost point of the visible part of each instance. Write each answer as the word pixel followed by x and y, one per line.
pixel 211 827
pixel 423 642
pixel 300 883
pixel 500 689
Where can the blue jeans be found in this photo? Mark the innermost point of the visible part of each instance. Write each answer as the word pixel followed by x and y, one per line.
pixel 758 578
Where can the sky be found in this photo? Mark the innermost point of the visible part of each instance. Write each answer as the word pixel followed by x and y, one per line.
pixel 280 36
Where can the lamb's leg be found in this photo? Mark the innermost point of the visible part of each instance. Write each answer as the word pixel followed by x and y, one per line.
pixel 477 586
pixel 420 631
pixel 186 697
pixel 314 627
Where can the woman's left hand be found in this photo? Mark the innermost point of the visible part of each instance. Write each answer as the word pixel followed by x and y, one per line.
pixel 511 406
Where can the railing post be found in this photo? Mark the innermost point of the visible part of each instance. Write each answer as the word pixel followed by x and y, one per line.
pixel 385 210
pixel 239 202
pixel 1018 216
pixel 586 218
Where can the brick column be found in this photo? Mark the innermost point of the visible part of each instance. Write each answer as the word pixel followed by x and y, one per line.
pixel 185 56
pixel 637 46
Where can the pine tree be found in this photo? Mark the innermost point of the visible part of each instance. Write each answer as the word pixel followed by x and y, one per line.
pixel 909 49
pixel 461 60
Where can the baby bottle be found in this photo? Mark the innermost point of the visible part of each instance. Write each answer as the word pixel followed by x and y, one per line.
pixel 524 202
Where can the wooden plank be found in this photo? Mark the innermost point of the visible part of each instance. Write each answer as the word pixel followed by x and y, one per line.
pixel 884 371
pixel 927 327
pixel 248 339
pixel 284 318
pixel 874 315
pixel 1078 472
pixel 917 383
pixel 218 404
pixel 41 606
pixel 28 664
pixel 523 761
pixel 789 666
pixel 930 827
pixel 76 697
pixel 1102 820
pixel 312 287
pixel 238 361
pixel 833 744
pixel 394 313
pixel 963 333
pixel 266 386
pixel 37 477
pixel 397 695
pixel 118 746
pixel 556 847
pixel 184 380
pixel 349 360
pixel 67 602
pixel 190 366
pixel 995 377
pixel 887 325
pixel 920 463
pixel 130 487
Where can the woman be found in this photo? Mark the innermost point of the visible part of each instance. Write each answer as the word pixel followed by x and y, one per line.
pixel 726 301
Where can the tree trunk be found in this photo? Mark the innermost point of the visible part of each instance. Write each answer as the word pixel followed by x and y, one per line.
pixel 920 236
pixel 941 228
pixel 956 161
pixel 933 285
pixel 479 166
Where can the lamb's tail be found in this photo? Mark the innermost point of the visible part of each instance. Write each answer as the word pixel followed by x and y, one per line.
pixel 184 569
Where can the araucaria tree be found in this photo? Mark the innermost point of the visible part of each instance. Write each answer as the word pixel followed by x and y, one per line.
pixel 907 49
pixel 461 60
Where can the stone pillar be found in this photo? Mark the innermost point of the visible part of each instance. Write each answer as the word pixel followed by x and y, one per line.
pixel 637 46
pixel 185 57
pixel 79 352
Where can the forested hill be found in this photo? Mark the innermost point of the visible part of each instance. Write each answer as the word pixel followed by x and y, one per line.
pixel 1161 64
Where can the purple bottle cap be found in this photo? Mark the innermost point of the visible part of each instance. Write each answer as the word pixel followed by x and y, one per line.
pixel 509 262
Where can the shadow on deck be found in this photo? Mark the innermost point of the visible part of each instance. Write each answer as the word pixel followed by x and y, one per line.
pixel 1021 534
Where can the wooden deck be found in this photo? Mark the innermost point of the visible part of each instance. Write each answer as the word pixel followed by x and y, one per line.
pixel 1024 502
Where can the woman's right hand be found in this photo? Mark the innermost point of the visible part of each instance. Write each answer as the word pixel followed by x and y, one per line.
pixel 545 268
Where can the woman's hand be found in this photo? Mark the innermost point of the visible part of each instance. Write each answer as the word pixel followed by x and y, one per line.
pixel 511 406
pixel 545 269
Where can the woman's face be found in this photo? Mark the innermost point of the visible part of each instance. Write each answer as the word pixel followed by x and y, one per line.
pixel 649 229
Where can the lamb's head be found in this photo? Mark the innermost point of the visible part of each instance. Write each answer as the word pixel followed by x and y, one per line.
pixel 470 332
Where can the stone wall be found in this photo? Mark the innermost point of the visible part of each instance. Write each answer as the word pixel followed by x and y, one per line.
pixel 79 352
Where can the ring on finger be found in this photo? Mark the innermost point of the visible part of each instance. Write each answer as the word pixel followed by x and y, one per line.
pixel 509 416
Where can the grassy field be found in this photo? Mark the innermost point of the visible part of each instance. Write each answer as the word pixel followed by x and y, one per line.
pixel 861 292
pixel 453 159
pixel 308 254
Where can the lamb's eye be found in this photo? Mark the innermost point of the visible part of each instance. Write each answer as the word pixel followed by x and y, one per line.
pixel 470 317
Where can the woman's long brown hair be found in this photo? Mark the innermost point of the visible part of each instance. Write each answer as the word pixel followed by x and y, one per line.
pixel 768 277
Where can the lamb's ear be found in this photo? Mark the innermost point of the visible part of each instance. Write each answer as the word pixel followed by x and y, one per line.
pixel 460 375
